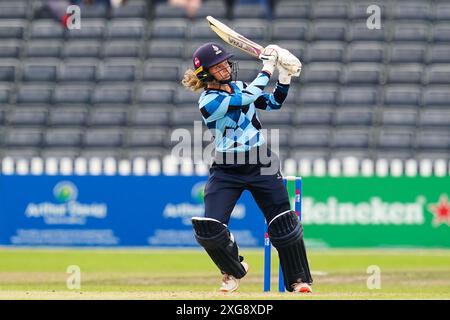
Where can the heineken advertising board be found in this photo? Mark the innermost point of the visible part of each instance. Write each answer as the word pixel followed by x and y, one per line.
pixel 376 212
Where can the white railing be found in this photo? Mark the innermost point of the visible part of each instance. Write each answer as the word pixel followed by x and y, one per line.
pixel 171 166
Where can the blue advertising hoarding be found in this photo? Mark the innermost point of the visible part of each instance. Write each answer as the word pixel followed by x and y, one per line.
pixel 112 211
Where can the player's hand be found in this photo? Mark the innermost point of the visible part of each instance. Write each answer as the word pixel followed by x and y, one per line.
pixel 269 56
pixel 288 66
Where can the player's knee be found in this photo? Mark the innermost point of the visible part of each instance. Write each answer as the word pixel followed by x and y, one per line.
pixel 285 229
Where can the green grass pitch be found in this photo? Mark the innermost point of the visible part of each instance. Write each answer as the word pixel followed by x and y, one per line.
pixel 189 274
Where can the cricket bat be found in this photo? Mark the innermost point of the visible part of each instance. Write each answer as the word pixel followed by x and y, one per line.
pixel 239 41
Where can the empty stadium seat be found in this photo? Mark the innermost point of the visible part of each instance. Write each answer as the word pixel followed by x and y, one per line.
pixel 292 10
pixel 41 49
pixel 185 116
pixel 118 70
pixel 95 10
pixel 399 117
pixel 362 73
pixel 81 49
pixel 438 74
pixel 329 10
pixel 433 139
pixel 254 29
pixel 126 29
pixel 12 29
pixel 441 32
pixel 34 94
pixel 147 137
pixel 365 52
pixel 310 138
pixel 8 70
pixel 63 137
pixel 151 116
pixel 14 9
pixel 166 49
pixel 166 10
pixel 321 72
pixel 122 49
pixel 318 95
pixel 70 116
pixel 201 30
pixel 249 11
pixel 216 9
pixel 402 95
pixel 163 70
pixel 28 116
pixel 438 53
pixel 113 116
pixel 405 73
pixel 435 118
pixel 436 96
pixel 275 117
pixel 414 31
pixel 328 30
pixel 169 29
pixel 103 138
pixel 442 11
pixel 9 49
pixel 40 70
pixel 46 29
pixel 5 93
pixel 185 96
pixel 358 9
pixel 278 134
pixel 358 31
pixel 156 93
pixel 91 29
pixel 72 94
pixel 113 94
pixel 325 51
pixel 289 30
pixel 313 116
pixel 361 96
pixel 131 9
pixel 411 10
pixel 79 70
pixel 407 52
pixel 392 139
pixel 353 116
pixel 21 137
pixel 351 138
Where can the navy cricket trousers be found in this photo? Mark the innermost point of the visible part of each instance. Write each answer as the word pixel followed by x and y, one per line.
pixel 227 182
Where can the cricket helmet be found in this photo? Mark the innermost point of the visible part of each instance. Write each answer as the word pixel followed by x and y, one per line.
pixel 206 56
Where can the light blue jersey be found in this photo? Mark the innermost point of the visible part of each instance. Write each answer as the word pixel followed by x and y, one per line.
pixel 232 117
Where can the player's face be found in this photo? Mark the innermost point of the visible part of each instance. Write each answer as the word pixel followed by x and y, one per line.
pixel 221 71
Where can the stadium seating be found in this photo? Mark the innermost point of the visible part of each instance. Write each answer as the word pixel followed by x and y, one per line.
pixel 113 87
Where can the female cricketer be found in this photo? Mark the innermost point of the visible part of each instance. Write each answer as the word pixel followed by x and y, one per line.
pixel 228 108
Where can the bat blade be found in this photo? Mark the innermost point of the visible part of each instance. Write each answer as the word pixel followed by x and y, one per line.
pixel 234 38
pixel 252 48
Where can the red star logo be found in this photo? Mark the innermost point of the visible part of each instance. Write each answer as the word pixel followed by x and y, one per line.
pixel 441 211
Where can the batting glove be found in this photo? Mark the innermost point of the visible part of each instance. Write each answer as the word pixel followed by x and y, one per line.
pixel 288 66
pixel 269 56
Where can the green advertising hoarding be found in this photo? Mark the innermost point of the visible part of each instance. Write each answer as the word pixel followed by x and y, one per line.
pixel 375 212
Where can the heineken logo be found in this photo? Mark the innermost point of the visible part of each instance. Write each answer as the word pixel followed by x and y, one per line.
pixel 373 212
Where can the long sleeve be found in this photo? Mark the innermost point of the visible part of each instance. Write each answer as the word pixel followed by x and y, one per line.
pixel 214 106
pixel 273 101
